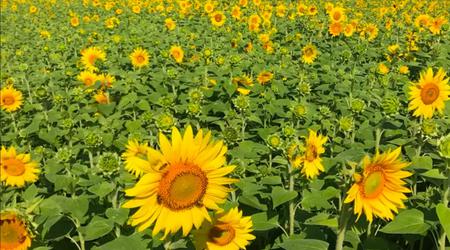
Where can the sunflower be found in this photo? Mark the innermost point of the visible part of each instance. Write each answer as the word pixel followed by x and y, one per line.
pixel 309 53
pixel 218 18
pixel 74 21
pixel 436 23
pixel 87 77
pixel 10 98
pixel 90 55
pixel 16 169
pixel 186 179
pixel 422 20
pixel 208 7
pixel 349 29
pixel 379 190
pixel 13 232
pixel 139 58
pixel 383 69
pixel 337 15
pixel 429 94
pixel 236 12
pixel 312 163
pixel 335 29
pixel 101 97
pixel 106 80
pixel 170 24
pixel 177 53
pixel 264 77
pixel 229 231
pixel 135 157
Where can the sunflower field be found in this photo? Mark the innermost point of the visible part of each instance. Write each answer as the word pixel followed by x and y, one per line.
pixel 225 125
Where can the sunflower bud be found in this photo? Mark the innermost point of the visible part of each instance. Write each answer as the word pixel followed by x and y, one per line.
pixel 444 146
pixel 346 123
pixel 165 121
pixel 288 130
pixel 195 95
pixel 304 88
pixel 67 123
pixel 299 110
pixel 390 105
pixel 166 101
pixel 93 140
pixel 194 109
pixel 172 73
pixel 64 154
pixel 325 111
pixel 241 102
pixel 108 163
pixel 357 105
pixel 274 141
pixel 230 134
pixel 429 127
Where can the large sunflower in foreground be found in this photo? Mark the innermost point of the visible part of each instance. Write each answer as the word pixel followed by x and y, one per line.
pixel 379 191
pixel 90 56
pixel 187 178
pixel 10 98
pixel 16 169
pixel 311 161
pixel 139 58
pixel 229 231
pixel 429 94
pixel 309 53
pixel 135 157
pixel 13 232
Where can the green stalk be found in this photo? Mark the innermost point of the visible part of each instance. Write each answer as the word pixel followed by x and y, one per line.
pixel 291 202
pixel 445 194
pixel 343 222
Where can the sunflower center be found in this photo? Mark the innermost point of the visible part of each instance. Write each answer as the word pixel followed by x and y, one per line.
pixel 337 16
pixel 182 187
pixel 140 58
pixel 218 17
pixel 311 153
pixel 373 184
pixel 429 93
pixel 12 234
pixel 92 58
pixel 13 167
pixel 8 100
pixel 309 52
pixel 222 234
pixel 88 81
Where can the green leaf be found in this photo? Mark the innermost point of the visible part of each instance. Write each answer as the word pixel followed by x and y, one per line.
pixel 118 215
pixel 318 199
pixel 262 223
pixel 304 244
pixel 281 195
pixel 421 162
pixel 102 189
pixel 98 227
pixel 322 220
pixel 252 201
pixel 135 242
pixel 407 222
pixel 443 213
pixel 434 173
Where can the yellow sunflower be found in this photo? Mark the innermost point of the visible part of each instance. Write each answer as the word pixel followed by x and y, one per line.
pixel 135 158
pixel 90 56
pixel 186 179
pixel 218 18
pixel 264 77
pixel 87 77
pixel 337 15
pixel 16 169
pixel 379 190
pixel 13 232
pixel 139 58
pixel 177 53
pixel 101 97
pixel 106 80
pixel 229 231
pixel 335 29
pixel 309 53
pixel 311 161
pixel 10 98
pixel 429 94
pixel 170 23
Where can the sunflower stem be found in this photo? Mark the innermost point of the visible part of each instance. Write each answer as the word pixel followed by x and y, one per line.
pixel 445 194
pixel 343 221
pixel 291 202
pixel 14 122
pixel 91 159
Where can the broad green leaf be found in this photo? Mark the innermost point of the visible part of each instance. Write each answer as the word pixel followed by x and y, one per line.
pixel 421 162
pixel 97 227
pixel 281 195
pixel 322 220
pixel 407 222
pixel 252 201
pixel 443 213
pixel 118 215
pixel 434 173
pixel 102 189
pixel 135 242
pixel 262 223
pixel 304 244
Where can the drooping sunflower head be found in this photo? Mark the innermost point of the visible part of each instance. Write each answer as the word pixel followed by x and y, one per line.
pixel 14 234
pixel 136 161
pixel 185 178
pixel 429 94
pixel 139 58
pixel 218 18
pixel 309 53
pixel 311 161
pixel 90 56
pixel 379 189
pixel 10 98
pixel 17 169
pixel 229 230
pixel 177 53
